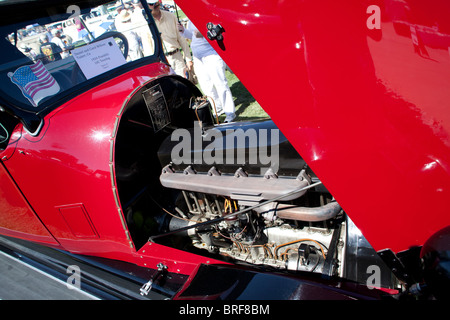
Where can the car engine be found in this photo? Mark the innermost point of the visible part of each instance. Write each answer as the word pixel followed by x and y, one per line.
pixel 277 234
pixel 238 192
pixel 276 216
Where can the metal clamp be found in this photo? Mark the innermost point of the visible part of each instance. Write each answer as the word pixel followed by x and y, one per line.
pixel 147 287
pixel 215 31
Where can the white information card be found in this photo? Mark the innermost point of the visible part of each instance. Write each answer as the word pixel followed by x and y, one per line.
pixel 98 57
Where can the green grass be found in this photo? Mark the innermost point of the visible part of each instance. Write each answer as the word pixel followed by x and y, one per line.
pixel 247 108
pixel 180 14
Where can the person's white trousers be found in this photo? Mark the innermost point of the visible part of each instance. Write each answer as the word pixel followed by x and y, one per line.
pixel 210 71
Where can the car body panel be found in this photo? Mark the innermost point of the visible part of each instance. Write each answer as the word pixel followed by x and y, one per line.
pixel 18 218
pixel 364 104
pixel 242 284
pixel 361 101
pixel 76 151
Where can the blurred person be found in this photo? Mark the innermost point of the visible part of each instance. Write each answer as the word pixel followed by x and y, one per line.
pixel 49 51
pixel 57 39
pixel 29 52
pixel 124 26
pixel 140 26
pixel 81 30
pixel 210 70
pixel 172 40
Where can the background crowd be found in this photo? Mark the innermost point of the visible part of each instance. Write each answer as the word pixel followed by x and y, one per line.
pixel 204 61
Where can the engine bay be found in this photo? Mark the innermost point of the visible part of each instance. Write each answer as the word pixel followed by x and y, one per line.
pixel 240 208
pixel 256 234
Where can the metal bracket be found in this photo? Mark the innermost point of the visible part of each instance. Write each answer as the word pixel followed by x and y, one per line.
pixel 215 31
pixel 147 287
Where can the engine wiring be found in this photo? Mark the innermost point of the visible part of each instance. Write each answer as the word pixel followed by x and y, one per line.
pixel 215 109
pixel 228 205
pixel 211 100
pixel 243 232
pixel 218 220
pixel 321 246
pixel 270 250
pixel 170 213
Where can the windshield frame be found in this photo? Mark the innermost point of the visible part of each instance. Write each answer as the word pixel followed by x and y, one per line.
pixel 50 12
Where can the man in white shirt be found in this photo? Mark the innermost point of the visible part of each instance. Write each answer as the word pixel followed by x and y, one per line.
pixel 60 43
pixel 172 40
pixel 210 70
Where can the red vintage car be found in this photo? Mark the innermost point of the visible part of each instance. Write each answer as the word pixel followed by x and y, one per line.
pixel 108 158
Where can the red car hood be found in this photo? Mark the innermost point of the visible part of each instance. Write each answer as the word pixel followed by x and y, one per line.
pixel 361 90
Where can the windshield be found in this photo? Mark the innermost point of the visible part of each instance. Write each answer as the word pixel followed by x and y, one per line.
pixel 47 57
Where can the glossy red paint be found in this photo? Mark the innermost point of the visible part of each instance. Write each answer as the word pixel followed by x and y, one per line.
pixel 176 260
pixel 72 159
pixel 75 150
pixel 364 107
pixel 18 219
pixel 360 88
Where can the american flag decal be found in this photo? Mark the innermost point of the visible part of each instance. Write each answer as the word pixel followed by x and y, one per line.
pixel 35 82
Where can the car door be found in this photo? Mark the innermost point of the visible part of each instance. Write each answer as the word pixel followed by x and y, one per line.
pixel 17 217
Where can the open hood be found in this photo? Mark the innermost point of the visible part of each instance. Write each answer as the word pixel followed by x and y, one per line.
pixel 361 91
pixel 118 158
